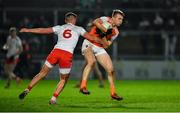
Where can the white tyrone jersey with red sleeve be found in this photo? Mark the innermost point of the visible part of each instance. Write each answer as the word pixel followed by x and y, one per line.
pixel 68 35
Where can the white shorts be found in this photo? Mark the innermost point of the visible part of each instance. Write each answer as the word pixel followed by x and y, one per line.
pixel 96 50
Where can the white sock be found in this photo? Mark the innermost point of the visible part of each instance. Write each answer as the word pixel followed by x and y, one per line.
pixel 53 98
pixel 27 90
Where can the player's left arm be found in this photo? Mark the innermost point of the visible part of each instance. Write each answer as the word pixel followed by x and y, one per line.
pixel 20 50
pixel 20 47
pixel 38 30
pixel 108 42
pixel 109 38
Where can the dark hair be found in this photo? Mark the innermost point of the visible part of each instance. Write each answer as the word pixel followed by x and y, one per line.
pixel 67 15
pixel 117 11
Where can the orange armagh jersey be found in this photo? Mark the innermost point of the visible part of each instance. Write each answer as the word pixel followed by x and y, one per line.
pixel 111 37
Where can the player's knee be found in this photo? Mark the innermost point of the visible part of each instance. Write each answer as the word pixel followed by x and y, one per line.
pixel 110 71
pixel 64 77
pixel 6 70
pixel 7 73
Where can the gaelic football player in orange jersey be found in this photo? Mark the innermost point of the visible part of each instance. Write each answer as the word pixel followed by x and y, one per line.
pixel 93 51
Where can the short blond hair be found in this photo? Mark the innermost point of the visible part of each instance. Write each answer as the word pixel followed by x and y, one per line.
pixel 117 11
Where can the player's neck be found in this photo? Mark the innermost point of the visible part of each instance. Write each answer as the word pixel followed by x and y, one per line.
pixel 72 23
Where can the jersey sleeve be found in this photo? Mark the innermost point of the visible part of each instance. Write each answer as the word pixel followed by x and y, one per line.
pixel 56 29
pixel 81 31
pixel 114 37
pixel 8 41
pixel 104 18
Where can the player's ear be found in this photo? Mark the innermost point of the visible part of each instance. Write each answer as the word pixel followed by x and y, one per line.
pixel 65 20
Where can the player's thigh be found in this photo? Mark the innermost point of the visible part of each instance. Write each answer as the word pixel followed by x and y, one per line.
pixel 6 67
pixel 105 60
pixel 9 67
pixel 12 66
pixel 65 62
pixel 89 55
pixel 52 58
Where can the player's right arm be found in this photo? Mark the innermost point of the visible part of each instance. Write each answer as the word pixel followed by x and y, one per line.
pixel 38 30
pixel 98 23
pixel 108 42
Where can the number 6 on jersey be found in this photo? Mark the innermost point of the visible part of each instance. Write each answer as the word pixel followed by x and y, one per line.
pixel 67 33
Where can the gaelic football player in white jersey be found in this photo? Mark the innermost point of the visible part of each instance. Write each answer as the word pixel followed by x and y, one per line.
pixel 14 48
pixel 68 35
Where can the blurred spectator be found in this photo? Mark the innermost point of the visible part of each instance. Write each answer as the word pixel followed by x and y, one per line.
pixel 170 39
pixel 98 4
pixel 14 48
pixel 144 27
pixel 158 25
pixel 172 4
pixel 41 22
pixel 87 3
pixel 26 22
pixel 35 44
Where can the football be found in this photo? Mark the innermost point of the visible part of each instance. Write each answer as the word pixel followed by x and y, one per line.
pixel 107 25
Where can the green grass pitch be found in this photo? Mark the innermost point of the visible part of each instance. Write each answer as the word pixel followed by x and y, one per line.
pixel 139 95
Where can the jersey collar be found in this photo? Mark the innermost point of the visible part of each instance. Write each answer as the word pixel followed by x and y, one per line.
pixel 71 24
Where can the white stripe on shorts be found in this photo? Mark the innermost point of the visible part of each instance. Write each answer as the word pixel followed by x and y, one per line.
pixel 64 70
pixel 48 64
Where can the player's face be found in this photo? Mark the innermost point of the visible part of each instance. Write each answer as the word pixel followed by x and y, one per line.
pixel 118 19
pixel 13 33
pixel 75 19
pixel 71 19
